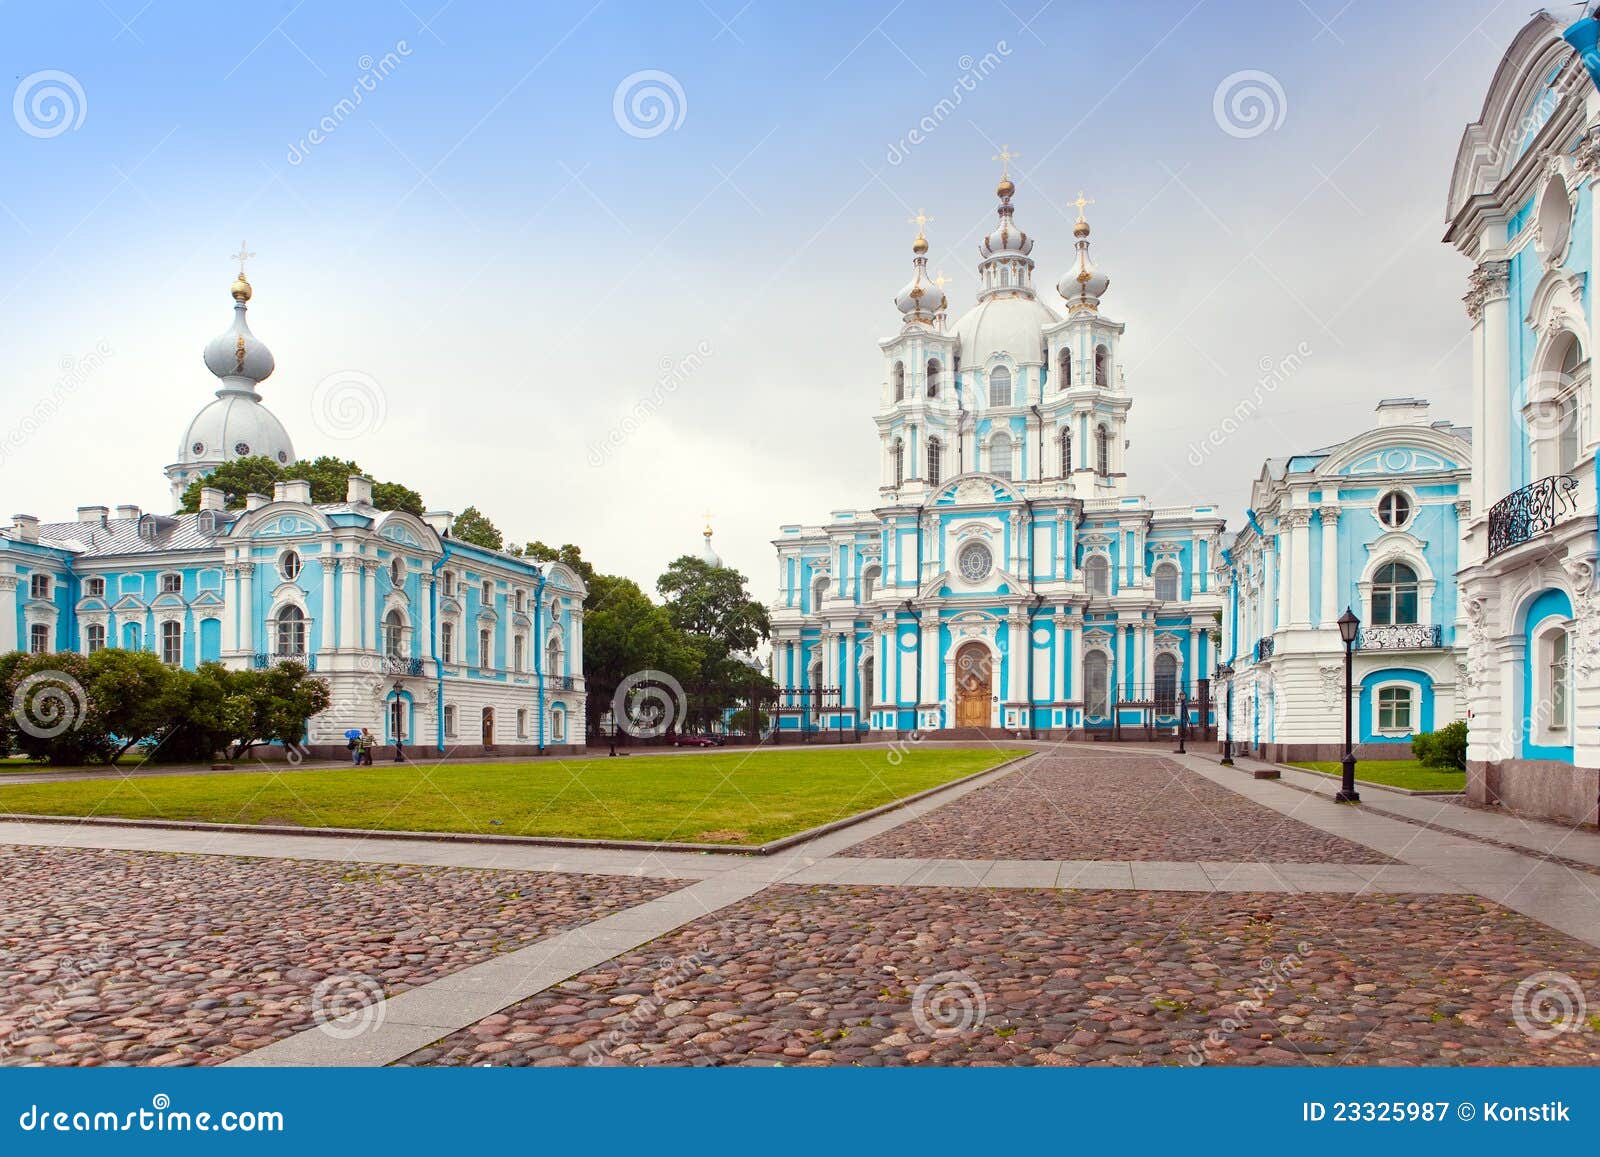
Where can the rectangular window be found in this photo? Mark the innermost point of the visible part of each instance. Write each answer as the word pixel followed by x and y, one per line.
pixel 450 720
pixel 172 644
pixel 488 593
pixel 485 650
pixel 1559 709
pixel 447 642
pixel 38 638
pixel 39 586
pixel 522 723
pixel 94 636
pixel 558 725
pixel 1394 709
pixel 172 584
pixel 94 588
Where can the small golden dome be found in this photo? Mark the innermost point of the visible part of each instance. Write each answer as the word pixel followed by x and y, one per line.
pixel 919 246
pixel 241 289
pixel 1081 229
pixel 1005 188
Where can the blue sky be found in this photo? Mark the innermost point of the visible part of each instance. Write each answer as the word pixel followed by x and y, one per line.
pixel 483 248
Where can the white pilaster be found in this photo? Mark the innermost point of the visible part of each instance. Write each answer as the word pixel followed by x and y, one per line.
pixel 1330 565
pixel 1297 569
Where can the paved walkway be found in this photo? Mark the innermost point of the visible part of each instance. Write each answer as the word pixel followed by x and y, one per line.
pixel 1337 935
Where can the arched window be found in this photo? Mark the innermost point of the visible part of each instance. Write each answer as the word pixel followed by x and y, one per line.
pixel 394 634
pixel 95 637
pixel 447 642
pixel 552 658
pixel 1065 364
pixel 1102 451
pixel 1096 685
pixel 1097 574
pixel 1066 453
pixel 868 670
pixel 1167 582
pixel 1000 387
pixel 818 590
pixel 1166 688
pixel 1555 659
pixel 291 631
pixel 869 583
pixel 485 649
pixel 935 461
pixel 519 647
pixel 933 377
pixel 1394 595
pixel 1102 365
pixel 1000 455
pixel 172 643
pixel 899 377
pixel 899 454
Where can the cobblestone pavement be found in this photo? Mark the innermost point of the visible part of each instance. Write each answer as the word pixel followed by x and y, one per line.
pixel 894 976
pixel 148 958
pixel 1130 807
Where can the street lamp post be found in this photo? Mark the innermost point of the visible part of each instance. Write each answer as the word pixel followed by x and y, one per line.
pixel 1183 719
pixel 1225 671
pixel 608 727
pixel 1348 626
pixel 399 723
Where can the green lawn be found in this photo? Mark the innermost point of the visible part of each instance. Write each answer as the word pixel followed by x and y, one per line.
pixel 724 797
pixel 1407 773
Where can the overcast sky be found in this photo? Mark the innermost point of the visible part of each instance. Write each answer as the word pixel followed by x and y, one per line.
pixel 490 258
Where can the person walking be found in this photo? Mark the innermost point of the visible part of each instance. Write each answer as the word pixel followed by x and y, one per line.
pixel 367 743
pixel 355 749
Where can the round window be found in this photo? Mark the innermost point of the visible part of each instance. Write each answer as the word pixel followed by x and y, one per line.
pixel 198 448
pixel 1554 217
pixel 1394 509
pixel 241 448
pixel 283 456
pixel 975 561
pixel 289 565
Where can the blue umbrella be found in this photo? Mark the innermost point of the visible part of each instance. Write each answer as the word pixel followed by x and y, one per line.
pixel 353 733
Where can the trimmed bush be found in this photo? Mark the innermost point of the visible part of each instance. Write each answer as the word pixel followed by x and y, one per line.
pixel 1446 747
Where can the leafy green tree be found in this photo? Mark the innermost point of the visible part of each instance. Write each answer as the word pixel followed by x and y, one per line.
pixel 329 478
pixel 54 716
pixel 473 526
pixel 394 496
pixel 137 697
pixel 712 601
pixel 214 715
pixel 624 632
pixel 241 476
pixel 282 699
pixel 569 556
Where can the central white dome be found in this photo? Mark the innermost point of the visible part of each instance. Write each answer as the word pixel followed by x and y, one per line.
pixel 235 426
pixel 1009 325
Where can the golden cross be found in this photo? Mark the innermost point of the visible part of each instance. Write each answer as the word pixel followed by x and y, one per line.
pixel 241 257
pixel 1005 156
pixel 941 280
pixel 1081 202
pixel 920 220
pixel 708 522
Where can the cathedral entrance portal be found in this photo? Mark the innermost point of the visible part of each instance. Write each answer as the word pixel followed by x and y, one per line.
pixel 973 683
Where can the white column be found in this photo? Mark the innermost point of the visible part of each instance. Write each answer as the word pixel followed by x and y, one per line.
pixel 247 606
pixel 230 610
pixel 1298 574
pixel 1330 564
pixel 424 623
pixel 1497 424
pixel 369 584
pixel 350 601
pixel 328 638
pixel 8 613
pixel 1269 577
pixel 1018 687
pixel 931 659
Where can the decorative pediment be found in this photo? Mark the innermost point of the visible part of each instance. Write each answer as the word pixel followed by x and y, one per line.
pixel 1399 460
pixel 401 533
pixel 168 600
pixel 449 605
pixel 129 603
pixel 974 490
pixel 1100 638
pixel 1168 645
pixel 1166 549
pixel 1096 539
pixel 285 526
pixel 209 599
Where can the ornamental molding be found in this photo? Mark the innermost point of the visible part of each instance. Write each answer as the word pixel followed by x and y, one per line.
pixel 1329 515
pixel 1169 645
pixel 1487 282
pixel 1586 157
pixel 1297 516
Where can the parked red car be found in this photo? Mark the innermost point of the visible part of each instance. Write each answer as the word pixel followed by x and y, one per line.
pixel 694 741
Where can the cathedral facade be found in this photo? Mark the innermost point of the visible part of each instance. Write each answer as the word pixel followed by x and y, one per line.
pixel 1006 578
pixel 428 641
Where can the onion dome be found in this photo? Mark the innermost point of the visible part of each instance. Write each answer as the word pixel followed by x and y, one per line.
pixel 1006 237
pixel 236 355
pixel 1083 285
pixel 921 301
pixel 1004 267
pixel 708 553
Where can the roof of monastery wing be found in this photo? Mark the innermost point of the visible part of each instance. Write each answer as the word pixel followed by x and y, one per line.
pixel 175 532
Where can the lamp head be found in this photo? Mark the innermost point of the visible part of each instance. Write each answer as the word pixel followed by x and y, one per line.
pixel 1348 626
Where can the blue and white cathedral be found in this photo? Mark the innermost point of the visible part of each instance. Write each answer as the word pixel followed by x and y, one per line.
pixel 1006 578
pixel 426 640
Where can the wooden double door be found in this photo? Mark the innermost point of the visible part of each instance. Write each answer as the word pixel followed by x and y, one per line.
pixel 974 685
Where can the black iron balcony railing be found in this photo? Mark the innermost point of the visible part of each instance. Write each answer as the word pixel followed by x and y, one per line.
pixel 1264 648
pixel 561 682
pixel 262 659
pixel 401 665
pixel 1400 637
pixel 1534 510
